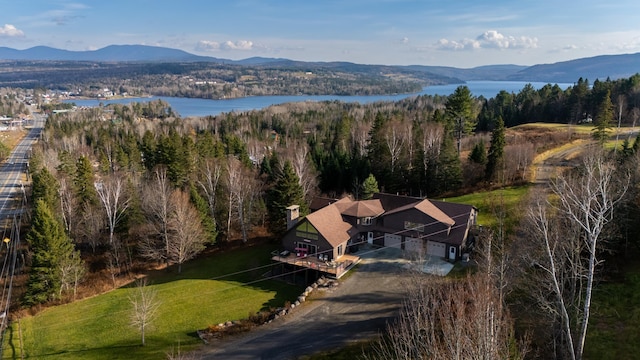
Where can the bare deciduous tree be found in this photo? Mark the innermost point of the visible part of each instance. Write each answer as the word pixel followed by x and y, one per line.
pixel 187 237
pixel 158 208
pixel 144 307
pixel 209 181
pixel 395 142
pixel 114 199
pixel 450 319
pixel 583 201
pixel 432 135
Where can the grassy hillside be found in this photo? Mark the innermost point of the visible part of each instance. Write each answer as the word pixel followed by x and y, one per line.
pixel 204 294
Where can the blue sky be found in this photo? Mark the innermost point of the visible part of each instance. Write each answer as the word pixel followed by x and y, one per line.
pixel 457 33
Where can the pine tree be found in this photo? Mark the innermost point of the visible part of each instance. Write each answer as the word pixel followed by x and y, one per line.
pixel 52 251
pixel 84 182
pixel 448 172
pixel 479 154
pixel 286 191
pixel 495 159
pixel 603 119
pixel 208 223
pixel 45 187
pixel 459 113
pixel 369 187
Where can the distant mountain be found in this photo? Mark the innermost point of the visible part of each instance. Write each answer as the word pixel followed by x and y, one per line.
pixel 592 68
pixel 490 72
pixel 598 67
pixel 112 53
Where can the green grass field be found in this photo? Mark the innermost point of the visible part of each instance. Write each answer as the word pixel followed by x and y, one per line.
pixel 98 327
pixel 492 203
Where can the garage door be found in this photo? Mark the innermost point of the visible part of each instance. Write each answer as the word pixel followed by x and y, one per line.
pixel 436 248
pixel 413 245
pixel 392 240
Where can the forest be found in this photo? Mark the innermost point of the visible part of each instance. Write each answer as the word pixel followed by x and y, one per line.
pixel 123 188
pixel 213 80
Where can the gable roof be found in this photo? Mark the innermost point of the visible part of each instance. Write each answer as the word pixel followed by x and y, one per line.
pixel 329 223
pixel 426 207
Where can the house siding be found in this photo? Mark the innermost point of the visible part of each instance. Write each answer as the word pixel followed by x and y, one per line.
pixel 433 230
pixel 293 237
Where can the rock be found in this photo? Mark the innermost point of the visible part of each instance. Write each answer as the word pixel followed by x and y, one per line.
pixel 297 303
pixel 228 323
pixel 302 298
pixel 293 306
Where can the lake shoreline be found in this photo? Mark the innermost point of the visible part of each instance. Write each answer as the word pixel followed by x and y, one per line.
pixel 202 107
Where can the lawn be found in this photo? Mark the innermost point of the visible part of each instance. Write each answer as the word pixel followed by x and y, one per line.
pixel 204 294
pixel 491 203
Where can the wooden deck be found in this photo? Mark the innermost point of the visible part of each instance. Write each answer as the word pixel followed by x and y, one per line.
pixel 335 268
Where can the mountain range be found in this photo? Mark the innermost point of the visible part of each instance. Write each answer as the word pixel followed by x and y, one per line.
pixel 598 67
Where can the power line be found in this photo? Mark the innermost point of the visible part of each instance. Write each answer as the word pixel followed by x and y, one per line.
pixel 249 283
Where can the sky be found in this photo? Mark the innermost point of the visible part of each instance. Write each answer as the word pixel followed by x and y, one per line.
pixel 459 33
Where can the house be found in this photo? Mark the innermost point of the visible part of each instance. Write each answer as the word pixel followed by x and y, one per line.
pixel 324 239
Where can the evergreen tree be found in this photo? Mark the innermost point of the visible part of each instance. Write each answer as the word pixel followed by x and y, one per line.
pixel 448 172
pixel 478 154
pixel 45 187
pixel 603 119
pixel 84 182
pixel 495 159
pixel 286 191
pixel 52 251
pixel 369 187
pixel 208 223
pixel 459 113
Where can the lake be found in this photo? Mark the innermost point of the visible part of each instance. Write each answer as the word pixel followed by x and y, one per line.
pixel 187 107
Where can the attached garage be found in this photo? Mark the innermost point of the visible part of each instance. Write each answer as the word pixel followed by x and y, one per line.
pixel 391 240
pixel 436 249
pixel 413 245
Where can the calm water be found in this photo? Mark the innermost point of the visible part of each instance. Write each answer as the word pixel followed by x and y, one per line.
pixel 202 107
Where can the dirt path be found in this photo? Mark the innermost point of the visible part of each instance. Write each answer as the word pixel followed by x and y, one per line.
pixel 549 163
pixel 356 310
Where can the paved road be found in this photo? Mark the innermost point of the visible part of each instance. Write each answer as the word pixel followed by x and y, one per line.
pixel 13 170
pixel 356 310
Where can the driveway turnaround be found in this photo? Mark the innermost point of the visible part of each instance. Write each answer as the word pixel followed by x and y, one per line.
pixel 357 310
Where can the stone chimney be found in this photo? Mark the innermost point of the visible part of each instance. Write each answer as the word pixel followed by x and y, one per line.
pixel 293 215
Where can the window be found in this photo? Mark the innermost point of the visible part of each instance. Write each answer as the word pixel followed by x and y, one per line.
pixel 339 250
pixel 367 220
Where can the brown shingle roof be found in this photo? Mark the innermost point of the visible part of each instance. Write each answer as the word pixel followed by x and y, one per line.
pixel 361 208
pixel 328 221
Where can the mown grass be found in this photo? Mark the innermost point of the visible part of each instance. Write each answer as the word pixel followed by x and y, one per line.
pixel 614 327
pixel 204 294
pixel 579 129
pixel 492 203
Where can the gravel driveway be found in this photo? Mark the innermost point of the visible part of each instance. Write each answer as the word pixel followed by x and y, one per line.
pixel 358 309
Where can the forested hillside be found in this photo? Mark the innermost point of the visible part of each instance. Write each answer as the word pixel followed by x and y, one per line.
pixel 129 187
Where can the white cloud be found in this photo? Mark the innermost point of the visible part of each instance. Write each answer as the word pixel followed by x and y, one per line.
pixel 238 45
pixel 489 39
pixel 494 39
pixel 206 45
pixel 9 30
pixel 405 40
pixel 465 44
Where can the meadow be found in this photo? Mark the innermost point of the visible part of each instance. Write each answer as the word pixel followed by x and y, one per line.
pixel 210 290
